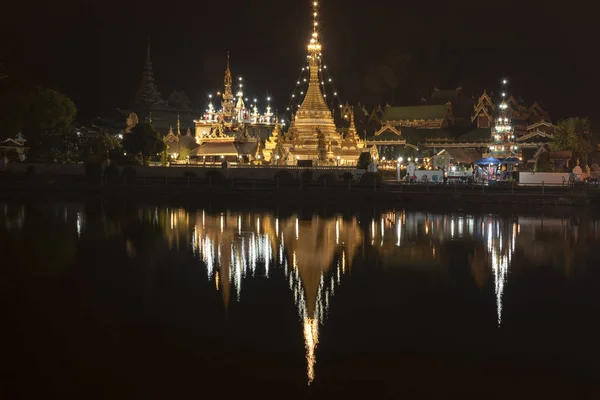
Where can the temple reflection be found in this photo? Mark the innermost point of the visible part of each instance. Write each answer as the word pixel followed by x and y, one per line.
pixel 314 254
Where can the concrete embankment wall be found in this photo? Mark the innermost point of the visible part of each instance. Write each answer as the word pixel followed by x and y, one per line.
pixel 200 172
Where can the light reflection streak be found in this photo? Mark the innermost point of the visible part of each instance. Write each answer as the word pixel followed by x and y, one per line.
pixel 317 264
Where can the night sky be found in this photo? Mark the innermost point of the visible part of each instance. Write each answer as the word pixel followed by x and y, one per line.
pixel 94 50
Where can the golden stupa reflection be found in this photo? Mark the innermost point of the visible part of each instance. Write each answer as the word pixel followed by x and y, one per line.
pixel 316 252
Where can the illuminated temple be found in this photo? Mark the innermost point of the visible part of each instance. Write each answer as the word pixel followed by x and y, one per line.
pixel 313 135
pixel 234 131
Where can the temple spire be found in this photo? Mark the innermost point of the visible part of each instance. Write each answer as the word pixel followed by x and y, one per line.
pixel 178 126
pixel 227 102
pixel 314 100
pixel 147 94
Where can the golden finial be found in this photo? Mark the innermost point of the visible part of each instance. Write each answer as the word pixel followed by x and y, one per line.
pixel 314 46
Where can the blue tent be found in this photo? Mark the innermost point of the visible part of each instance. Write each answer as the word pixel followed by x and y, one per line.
pixel 488 161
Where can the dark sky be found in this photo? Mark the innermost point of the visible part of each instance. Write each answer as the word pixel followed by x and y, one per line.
pixel 94 50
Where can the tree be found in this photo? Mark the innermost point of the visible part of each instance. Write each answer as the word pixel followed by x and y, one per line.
pixel 543 163
pixel 184 153
pixel 144 140
pixel 36 112
pixel 573 134
pixel 321 146
pixel 363 161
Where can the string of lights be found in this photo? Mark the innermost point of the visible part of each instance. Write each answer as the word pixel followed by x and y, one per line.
pixel 331 96
pixel 328 89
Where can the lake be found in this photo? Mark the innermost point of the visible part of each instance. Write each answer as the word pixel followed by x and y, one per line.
pixel 118 300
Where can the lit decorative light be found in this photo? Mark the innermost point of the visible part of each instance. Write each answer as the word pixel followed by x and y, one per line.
pixel 240 78
pixel 503 94
pixel 269 98
pixel 210 96
pixel 329 79
pixel 325 66
pixel 399 159
pixel 255 100
pixel 335 93
pixel 301 92
pixel 504 81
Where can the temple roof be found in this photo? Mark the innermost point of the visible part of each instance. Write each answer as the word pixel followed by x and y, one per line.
pixel 313 101
pixel 478 134
pixel 411 113
pixel 463 155
pixel 226 148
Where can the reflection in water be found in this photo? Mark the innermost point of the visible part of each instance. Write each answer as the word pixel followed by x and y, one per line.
pixel 314 254
pixel 232 246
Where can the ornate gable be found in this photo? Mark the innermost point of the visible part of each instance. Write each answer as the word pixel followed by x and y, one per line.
pixel 388 128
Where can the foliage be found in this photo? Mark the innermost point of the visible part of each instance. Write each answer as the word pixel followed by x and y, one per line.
pixel 143 140
pixel 573 134
pixel 543 163
pixel 321 146
pixel 43 115
pixel 363 161
pixel 164 156
pixel 184 153
pixel 99 144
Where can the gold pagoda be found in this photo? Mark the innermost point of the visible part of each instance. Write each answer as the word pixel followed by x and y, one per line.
pixel 312 134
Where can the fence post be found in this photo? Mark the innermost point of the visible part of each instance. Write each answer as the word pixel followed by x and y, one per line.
pixel 542 188
pixel 325 184
pixel 277 182
pixel 209 182
pixel 349 185
pixel 188 179
pixel 166 182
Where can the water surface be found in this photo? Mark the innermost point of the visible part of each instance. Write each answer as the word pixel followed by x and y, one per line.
pixel 122 301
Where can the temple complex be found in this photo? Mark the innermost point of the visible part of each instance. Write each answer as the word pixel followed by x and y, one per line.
pixel 150 106
pixel 443 123
pixel 313 136
pixel 235 112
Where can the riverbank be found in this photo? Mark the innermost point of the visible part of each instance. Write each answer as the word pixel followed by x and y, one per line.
pixel 299 194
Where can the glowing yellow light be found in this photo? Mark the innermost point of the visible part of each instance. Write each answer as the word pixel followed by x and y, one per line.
pixel 315 4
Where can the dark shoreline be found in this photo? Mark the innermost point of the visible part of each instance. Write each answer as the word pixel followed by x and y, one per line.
pixel 338 198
